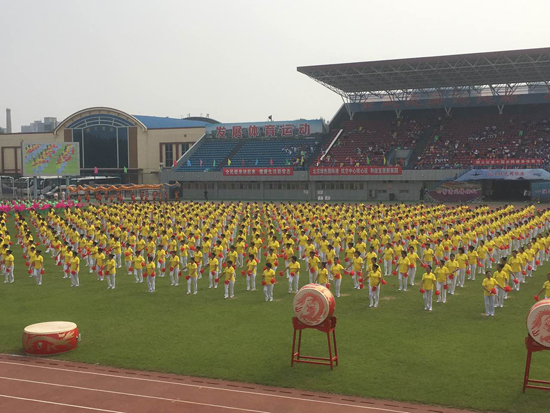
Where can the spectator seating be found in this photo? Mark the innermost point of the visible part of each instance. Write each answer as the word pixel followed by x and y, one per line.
pixel 457 142
pixel 283 152
pixel 369 141
pixel 210 150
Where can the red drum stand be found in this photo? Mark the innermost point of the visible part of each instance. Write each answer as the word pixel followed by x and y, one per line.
pixel 532 347
pixel 328 326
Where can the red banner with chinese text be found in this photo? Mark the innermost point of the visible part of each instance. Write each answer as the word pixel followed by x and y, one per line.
pixel 506 162
pixel 355 170
pixel 282 171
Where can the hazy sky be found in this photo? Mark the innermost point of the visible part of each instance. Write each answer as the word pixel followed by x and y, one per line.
pixel 235 60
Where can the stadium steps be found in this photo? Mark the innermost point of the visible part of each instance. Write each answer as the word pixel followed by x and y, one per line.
pixel 231 155
pixel 421 144
pixel 317 154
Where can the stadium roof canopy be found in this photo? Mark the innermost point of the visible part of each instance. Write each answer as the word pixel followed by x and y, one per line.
pixel 467 71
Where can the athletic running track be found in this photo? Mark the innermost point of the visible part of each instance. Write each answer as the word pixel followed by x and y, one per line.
pixel 47 385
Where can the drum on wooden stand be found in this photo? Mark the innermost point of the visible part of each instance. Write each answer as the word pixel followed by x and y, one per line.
pixel 538 322
pixel 54 337
pixel 313 304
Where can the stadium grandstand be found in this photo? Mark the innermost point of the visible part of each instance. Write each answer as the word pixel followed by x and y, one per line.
pixel 406 128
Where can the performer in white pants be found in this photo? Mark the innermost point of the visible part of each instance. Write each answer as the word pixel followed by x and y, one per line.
pixel 9 264
pixel 229 273
pixel 75 269
pixel 174 268
pixel 490 286
pixel 110 272
pixel 441 274
pixel 268 278
pixel 293 269
pixel 427 287
pixel 251 269
pixel 337 271
pixel 501 277
pixel 374 285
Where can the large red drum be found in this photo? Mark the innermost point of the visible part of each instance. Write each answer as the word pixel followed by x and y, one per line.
pixel 313 304
pixel 46 339
pixel 538 322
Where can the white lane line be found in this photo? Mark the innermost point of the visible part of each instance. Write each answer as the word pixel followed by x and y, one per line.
pixel 60 404
pixel 380 409
pixel 66 386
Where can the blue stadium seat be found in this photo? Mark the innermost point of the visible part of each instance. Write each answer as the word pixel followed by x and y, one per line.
pixel 260 152
pixel 210 150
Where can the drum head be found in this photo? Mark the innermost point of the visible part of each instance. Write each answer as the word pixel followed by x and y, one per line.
pixel 51 327
pixel 313 304
pixel 538 322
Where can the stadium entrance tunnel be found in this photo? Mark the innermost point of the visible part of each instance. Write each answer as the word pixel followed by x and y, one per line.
pixel 506 190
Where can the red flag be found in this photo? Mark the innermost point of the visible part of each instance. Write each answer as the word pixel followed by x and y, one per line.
pixel 175 163
pixel 271 162
pixel 243 161
pixel 95 170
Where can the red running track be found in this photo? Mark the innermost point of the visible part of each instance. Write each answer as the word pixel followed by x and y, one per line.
pixel 48 385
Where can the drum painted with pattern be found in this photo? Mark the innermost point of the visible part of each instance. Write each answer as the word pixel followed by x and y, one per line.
pixel 313 304
pixel 54 337
pixel 538 322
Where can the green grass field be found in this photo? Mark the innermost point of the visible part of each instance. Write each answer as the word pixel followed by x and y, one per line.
pixel 452 356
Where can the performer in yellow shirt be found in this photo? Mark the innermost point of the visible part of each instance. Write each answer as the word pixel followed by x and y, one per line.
pixel 516 263
pixel 213 271
pixel 75 269
pixel 490 286
pixel 192 275
pixel 313 266
pixel 9 265
pixel 293 269
pixel 357 265
pixel 545 288
pixel 388 257
pixel 337 271
pixel 375 275
pixel 413 259
pixel 251 270
pixel 150 273
pixel 472 263
pixel 139 264
pixel 462 260
pixel 441 273
pixel 402 269
pixel 501 277
pixel 110 271
pixel 229 281
pixel 174 268
pixel 427 287
pixel 38 266
pixel 268 280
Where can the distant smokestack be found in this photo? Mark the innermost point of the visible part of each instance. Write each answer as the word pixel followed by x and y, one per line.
pixel 8 120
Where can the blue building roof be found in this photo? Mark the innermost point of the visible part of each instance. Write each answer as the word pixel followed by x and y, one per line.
pixel 157 122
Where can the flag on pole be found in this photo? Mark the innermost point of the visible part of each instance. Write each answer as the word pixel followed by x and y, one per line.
pixel 385 161
pixel 188 162
pixel 243 161
pixel 95 170
pixel 368 160
pixel 174 163
pixel 201 163
pixel 214 163
pixel 256 161
pixel 228 162
pixel 271 162
pixel 125 170
pixel 351 161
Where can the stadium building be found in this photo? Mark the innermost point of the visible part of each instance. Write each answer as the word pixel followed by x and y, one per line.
pixel 112 140
pixel 448 128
